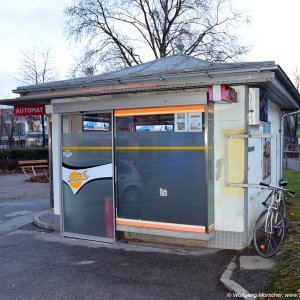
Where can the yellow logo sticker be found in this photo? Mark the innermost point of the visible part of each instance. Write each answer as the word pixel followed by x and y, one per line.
pixel 76 179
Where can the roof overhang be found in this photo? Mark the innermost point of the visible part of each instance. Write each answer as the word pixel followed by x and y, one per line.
pixel 20 100
pixel 180 81
pixel 269 77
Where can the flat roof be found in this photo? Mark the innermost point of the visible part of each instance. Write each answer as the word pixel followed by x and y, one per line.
pixel 161 74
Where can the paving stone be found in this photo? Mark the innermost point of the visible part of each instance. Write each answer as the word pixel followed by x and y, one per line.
pixel 256 263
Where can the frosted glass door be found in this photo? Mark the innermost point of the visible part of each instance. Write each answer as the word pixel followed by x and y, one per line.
pixel 87 173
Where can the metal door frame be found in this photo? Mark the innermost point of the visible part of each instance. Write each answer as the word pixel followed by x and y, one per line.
pixel 244 137
pixel 163 232
pixel 84 236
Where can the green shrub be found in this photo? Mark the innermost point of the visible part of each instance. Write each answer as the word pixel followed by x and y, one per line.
pixel 23 154
pixel 8 165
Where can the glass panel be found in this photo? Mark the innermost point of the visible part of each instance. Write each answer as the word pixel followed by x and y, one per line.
pixel 161 168
pixel 87 175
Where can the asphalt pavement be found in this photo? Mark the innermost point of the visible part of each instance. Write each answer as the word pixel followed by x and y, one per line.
pixel 20 201
pixel 15 186
pixel 292 163
pixel 36 264
pixel 40 264
pixel 10 209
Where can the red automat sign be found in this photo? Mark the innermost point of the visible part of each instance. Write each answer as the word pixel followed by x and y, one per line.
pixel 29 110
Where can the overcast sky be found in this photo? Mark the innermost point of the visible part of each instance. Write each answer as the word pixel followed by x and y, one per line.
pixel 24 24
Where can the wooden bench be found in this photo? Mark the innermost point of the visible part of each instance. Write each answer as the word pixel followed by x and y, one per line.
pixel 28 166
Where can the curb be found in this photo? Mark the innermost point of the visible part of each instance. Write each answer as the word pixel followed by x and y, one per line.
pixel 38 222
pixel 231 285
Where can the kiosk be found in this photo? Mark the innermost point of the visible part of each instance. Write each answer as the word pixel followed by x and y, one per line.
pixel 170 151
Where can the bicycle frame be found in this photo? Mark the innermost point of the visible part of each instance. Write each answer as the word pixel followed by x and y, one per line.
pixel 274 205
pixel 269 229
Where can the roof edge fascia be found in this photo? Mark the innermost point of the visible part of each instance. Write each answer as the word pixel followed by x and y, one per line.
pixel 143 78
pixel 286 81
pixel 201 82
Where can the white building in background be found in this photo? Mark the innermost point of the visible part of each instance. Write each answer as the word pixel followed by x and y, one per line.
pixel 168 151
pixel 11 127
pixel 27 131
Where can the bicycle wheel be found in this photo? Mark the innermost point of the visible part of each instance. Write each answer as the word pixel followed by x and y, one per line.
pixel 268 233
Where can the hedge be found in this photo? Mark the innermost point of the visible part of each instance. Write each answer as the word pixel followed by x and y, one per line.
pixel 8 165
pixel 23 153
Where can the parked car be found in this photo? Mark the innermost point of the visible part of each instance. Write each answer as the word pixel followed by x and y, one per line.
pixel 35 139
pixel 130 183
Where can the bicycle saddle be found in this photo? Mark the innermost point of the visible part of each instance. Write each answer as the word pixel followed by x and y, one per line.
pixel 282 182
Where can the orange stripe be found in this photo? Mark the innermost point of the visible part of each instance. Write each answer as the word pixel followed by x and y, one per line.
pixel 158 110
pixel 211 228
pixel 159 225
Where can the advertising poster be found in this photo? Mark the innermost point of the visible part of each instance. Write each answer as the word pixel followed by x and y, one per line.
pixel 195 121
pixel 266 158
pixel 181 122
pixel 263 108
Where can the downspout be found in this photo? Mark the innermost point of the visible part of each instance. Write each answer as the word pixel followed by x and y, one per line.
pixel 282 137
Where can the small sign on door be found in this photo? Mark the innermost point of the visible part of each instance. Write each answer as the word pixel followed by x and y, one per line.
pixel 163 192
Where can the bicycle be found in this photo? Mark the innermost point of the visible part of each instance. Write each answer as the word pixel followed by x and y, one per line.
pixel 270 227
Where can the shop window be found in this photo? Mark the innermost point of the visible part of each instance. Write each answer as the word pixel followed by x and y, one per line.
pixel 167 177
pixel 86 123
pixel 97 122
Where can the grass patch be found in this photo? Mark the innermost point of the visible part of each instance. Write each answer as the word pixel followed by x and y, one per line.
pixel 286 275
pixel 293 204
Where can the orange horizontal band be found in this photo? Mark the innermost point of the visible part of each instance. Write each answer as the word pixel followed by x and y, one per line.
pixel 160 225
pixel 158 110
pixel 211 228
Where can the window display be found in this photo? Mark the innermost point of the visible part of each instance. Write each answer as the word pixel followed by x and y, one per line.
pixel 160 153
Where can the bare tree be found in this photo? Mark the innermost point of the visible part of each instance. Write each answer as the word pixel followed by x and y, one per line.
pixel 291 122
pixel 37 68
pixel 120 33
pixel 297 78
pixel 82 68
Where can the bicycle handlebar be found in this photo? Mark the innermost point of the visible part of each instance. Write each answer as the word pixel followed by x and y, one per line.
pixel 264 184
pixel 290 192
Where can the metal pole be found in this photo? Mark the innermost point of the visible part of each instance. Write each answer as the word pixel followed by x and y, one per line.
pixel 246 171
pixel 43 129
pixel 50 168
